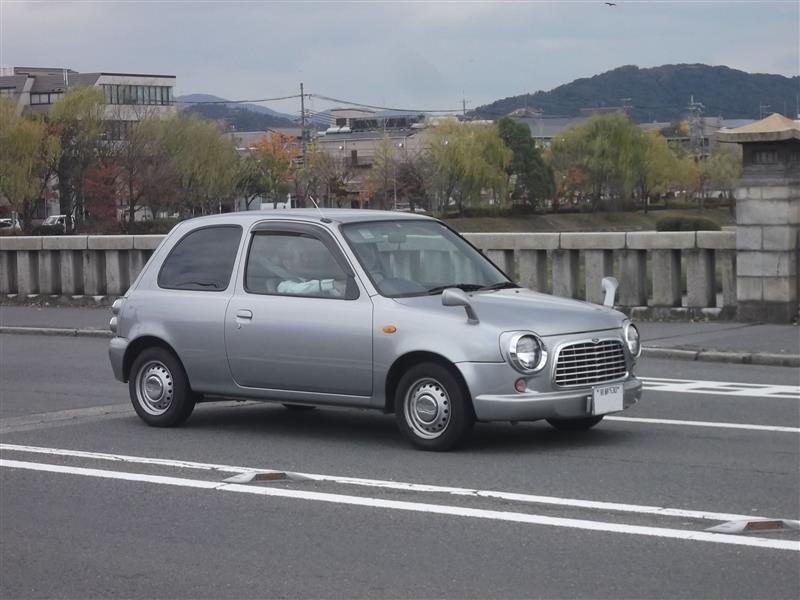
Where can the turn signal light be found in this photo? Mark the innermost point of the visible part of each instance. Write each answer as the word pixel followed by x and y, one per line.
pixel 389 329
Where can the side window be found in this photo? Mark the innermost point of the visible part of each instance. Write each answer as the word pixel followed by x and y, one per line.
pixel 202 260
pixel 293 264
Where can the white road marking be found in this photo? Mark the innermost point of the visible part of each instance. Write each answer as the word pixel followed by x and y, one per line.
pixel 460 511
pixel 721 388
pixel 399 485
pixel 747 426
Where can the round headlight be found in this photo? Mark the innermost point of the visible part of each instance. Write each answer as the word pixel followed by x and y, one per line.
pixel 633 340
pixel 526 353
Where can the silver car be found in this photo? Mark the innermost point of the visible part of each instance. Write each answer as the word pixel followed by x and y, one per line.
pixel 367 309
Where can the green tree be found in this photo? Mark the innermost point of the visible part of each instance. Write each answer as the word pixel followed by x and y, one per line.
pixel 30 153
pixel 530 179
pixel 720 171
pixel 78 121
pixel 381 181
pixel 203 164
pixel 604 156
pixel 469 159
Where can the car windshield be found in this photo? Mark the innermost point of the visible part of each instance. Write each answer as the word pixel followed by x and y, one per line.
pixel 52 220
pixel 414 258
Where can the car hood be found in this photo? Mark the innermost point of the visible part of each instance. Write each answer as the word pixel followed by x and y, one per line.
pixel 523 309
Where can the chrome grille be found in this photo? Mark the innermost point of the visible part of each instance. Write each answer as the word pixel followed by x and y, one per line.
pixel 586 363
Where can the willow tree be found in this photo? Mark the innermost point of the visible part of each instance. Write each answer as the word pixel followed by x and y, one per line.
pixel 78 119
pixel 30 154
pixel 203 164
pixel 469 159
pixel 604 155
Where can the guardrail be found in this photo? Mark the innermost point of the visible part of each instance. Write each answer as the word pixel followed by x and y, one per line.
pixel 667 273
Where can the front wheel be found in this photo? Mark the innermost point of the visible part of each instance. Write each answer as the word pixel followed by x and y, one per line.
pixel 159 388
pixel 575 424
pixel 432 408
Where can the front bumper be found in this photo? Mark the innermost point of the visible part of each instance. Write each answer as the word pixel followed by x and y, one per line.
pixel 494 399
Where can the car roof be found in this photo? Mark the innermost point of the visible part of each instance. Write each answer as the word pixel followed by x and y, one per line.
pixel 335 215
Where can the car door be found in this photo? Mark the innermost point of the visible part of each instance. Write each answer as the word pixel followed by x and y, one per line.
pixel 298 320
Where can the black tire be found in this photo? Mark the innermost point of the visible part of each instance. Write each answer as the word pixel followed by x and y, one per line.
pixel 581 424
pixel 430 389
pixel 299 407
pixel 159 388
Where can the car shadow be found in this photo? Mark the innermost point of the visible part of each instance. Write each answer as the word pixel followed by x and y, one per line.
pixel 337 425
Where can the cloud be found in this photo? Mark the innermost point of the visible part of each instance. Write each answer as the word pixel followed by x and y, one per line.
pixel 413 54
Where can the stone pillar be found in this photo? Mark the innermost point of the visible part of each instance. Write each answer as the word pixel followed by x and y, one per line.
pixel 596 265
pixel 93 272
pixel 116 272
pixel 533 269
pixel 107 270
pixel 666 277
pixel 727 264
pixel 67 251
pixel 633 278
pixel 566 266
pixel 27 272
pixel 8 272
pixel 598 257
pixel 701 284
pixel 49 280
pixel 767 220
pixel 71 272
pixel 136 261
pixel 504 259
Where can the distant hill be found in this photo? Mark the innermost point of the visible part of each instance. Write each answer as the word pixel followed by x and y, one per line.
pixel 241 117
pixel 662 93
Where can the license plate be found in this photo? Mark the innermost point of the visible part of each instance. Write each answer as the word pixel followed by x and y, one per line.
pixel 607 399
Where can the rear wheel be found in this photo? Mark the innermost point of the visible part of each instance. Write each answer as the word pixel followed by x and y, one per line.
pixel 159 388
pixel 432 408
pixel 575 424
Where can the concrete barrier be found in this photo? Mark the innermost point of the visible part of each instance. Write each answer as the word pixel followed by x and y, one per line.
pixel 661 271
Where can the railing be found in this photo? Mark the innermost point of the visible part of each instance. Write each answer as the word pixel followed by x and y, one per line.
pixel 691 273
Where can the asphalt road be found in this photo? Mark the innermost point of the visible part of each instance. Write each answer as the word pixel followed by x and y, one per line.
pixel 93 503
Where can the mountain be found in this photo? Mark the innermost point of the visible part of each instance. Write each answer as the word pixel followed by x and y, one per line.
pixel 240 116
pixel 663 93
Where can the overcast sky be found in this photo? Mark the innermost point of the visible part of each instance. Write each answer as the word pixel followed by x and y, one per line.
pixel 419 55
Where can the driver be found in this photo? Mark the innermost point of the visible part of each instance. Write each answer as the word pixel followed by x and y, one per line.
pixel 292 264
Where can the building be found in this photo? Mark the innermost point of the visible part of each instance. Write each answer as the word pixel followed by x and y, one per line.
pixel 129 97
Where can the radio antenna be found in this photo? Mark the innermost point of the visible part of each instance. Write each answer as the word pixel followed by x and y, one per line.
pixel 323 218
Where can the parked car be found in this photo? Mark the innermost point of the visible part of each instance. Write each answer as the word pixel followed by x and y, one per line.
pixel 53 225
pixel 9 224
pixel 390 311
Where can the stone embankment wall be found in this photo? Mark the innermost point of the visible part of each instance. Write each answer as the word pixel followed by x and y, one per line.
pixel 664 275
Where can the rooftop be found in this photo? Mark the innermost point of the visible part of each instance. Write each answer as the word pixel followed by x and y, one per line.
pixel 774 128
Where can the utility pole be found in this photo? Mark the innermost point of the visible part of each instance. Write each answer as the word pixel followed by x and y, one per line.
pixel 696 124
pixel 303 140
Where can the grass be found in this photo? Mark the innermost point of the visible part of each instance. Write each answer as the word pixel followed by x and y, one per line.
pixel 601 221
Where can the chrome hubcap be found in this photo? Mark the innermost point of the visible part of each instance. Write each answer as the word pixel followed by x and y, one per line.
pixel 154 388
pixel 427 408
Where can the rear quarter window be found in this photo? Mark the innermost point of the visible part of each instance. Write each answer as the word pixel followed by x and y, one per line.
pixel 202 260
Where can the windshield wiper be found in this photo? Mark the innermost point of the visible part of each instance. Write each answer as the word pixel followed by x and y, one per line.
pixel 467 287
pixel 502 285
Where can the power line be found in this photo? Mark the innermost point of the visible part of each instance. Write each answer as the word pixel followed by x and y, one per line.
pixel 406 110
pixel 240 101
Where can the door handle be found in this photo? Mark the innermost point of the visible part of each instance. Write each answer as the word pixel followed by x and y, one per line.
pixel 244 314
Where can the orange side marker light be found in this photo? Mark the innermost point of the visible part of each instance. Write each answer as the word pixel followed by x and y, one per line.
pixel 389 329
